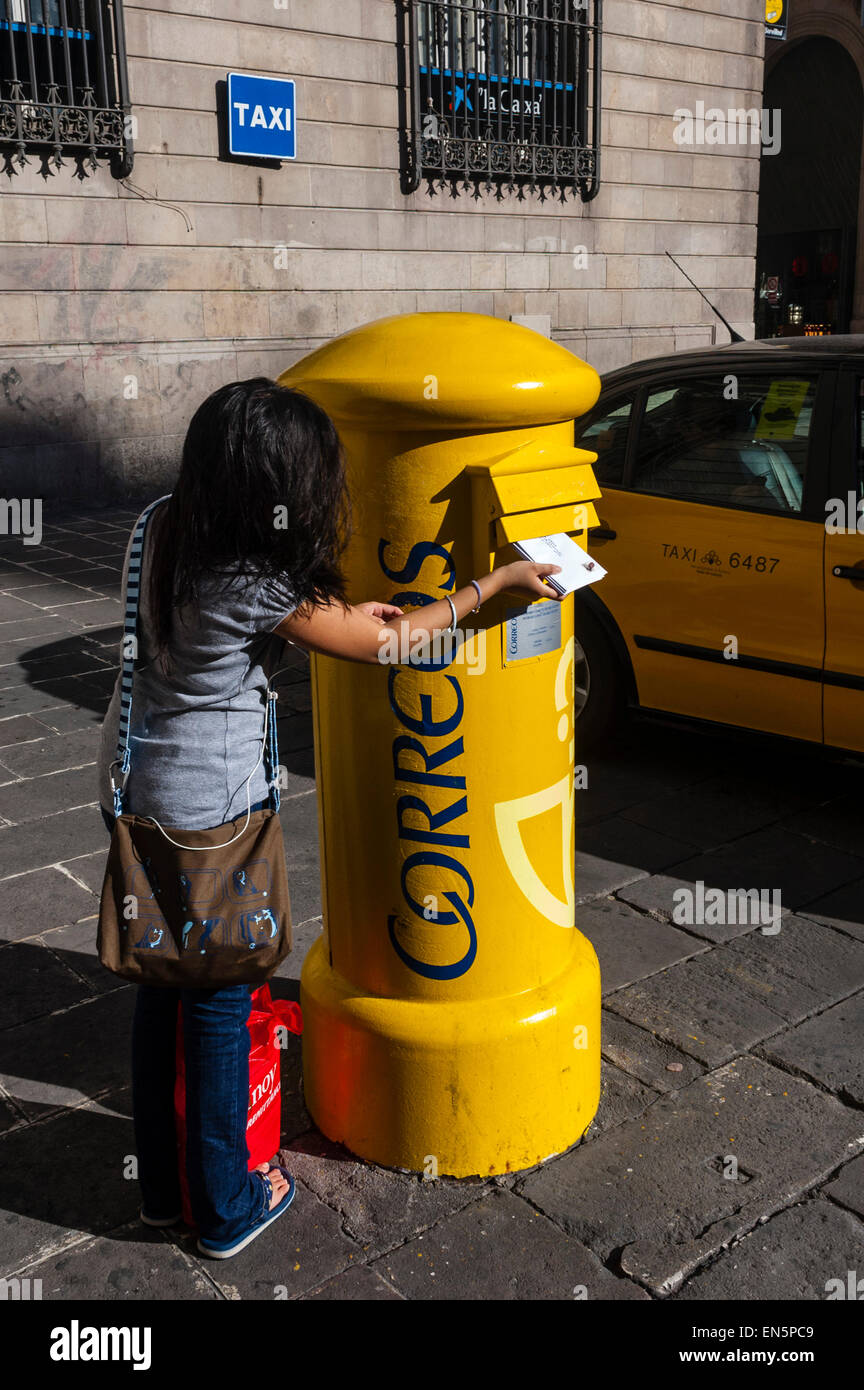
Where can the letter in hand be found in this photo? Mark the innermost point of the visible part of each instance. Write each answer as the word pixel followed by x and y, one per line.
pixel 527 577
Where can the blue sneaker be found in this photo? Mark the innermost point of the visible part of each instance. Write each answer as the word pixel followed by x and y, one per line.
pixel 224 1249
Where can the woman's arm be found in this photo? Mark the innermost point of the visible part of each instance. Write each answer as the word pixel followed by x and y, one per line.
pixel 363 632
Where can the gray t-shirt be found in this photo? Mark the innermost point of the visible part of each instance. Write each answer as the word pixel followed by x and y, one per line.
pixel 197 728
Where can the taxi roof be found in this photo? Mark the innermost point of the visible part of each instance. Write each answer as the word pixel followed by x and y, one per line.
pixel 837 348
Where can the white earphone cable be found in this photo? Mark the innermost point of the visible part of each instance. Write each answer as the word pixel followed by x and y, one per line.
pixel 271 697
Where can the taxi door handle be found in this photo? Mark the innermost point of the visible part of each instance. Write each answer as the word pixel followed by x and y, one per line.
pixel 844 571
pixel 602 533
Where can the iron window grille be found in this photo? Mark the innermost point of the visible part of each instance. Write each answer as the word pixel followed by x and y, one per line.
pixel 63 84
pixel 495 95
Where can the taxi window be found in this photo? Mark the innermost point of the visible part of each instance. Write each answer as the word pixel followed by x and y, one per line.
pixel 730 440
pixel 859 443
pixel 606 435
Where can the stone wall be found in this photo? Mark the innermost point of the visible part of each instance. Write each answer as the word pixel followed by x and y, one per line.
pixel 125 304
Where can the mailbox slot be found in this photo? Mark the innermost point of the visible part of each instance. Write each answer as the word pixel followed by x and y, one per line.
pixel 533 490
pixel 573 517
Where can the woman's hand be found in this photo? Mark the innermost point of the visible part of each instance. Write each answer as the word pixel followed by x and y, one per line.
pixel 527 577
pixel 380 611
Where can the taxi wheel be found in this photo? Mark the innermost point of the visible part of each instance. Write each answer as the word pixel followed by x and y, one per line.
pixel 597 686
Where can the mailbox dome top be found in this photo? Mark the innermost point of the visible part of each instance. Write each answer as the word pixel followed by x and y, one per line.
pixel 433 371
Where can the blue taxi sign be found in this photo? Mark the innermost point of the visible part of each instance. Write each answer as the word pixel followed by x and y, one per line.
pixel 261 116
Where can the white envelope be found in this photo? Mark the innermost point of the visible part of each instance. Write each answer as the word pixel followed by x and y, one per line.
pixel 577 566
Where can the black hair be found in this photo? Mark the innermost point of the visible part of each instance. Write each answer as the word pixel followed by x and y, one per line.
pixel 261 492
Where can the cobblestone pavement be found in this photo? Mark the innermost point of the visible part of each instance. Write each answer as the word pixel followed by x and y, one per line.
pixel 726 1049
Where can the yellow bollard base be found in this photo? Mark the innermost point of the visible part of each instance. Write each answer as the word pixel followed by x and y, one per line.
pixel 459 1089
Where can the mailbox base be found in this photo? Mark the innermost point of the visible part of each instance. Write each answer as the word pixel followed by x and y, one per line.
pixel 461 1089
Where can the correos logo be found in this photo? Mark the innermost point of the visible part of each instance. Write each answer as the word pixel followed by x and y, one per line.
pixel 440 715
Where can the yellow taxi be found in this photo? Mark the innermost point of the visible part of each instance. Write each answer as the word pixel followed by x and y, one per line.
pixel 732 528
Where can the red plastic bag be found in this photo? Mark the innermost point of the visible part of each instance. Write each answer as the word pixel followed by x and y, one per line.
pixel 267 1017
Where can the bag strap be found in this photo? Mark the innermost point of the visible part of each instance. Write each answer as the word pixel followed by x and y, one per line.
pixel 129 648
pixel 269 744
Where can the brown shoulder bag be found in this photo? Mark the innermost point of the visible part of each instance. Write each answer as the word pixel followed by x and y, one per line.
pixel 197 909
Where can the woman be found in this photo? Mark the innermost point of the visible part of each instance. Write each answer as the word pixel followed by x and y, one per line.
pixel 245 553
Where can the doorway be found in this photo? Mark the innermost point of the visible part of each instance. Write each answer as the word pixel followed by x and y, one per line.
pixel 808 193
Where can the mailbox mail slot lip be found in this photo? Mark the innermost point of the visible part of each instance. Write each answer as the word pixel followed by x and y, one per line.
pixel 538 473
pixel 538 491
pixel 546 521
pixel 496 494
pixel 527 460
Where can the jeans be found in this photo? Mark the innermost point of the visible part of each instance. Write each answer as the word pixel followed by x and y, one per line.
pixel 225 1198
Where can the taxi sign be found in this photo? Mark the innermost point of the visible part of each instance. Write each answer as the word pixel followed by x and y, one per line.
pixel 261 117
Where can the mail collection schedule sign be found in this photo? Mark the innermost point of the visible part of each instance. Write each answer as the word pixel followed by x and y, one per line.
pixel 261 117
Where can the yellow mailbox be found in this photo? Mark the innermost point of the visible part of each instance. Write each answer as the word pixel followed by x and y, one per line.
pixel 452 1009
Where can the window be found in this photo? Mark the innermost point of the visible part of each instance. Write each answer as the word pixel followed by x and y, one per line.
pixel 606 435
pixel 701 442
pixel 63 83
pixel 499 95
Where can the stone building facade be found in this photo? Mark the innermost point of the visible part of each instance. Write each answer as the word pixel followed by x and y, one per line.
pixel 125 302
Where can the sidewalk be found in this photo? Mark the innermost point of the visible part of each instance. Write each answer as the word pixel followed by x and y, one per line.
pixel 719 1043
